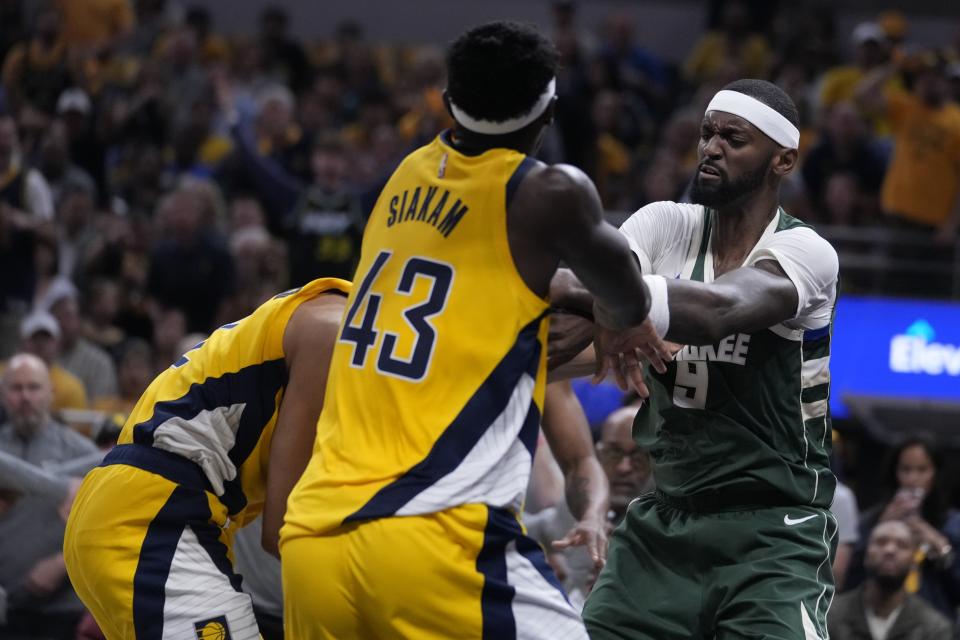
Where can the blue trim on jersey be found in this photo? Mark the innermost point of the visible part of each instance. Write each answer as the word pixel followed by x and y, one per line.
pixel 809 335
pixel 518 175
pixel 184 506
pixel 530 430
pixel 462 435
pixel 255 386
pixel 171 466
pixel 497 596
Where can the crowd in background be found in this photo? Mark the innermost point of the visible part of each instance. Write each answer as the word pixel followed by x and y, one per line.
pixel 159 177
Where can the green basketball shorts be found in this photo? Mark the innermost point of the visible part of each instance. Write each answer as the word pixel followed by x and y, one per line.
pixel 676 573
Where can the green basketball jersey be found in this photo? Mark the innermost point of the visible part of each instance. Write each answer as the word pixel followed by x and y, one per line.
pixel 746 418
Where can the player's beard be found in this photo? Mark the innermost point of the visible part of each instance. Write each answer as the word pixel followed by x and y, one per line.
pixel 725 191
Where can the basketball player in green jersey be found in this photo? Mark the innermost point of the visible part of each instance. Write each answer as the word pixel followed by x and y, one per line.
pixel 737 540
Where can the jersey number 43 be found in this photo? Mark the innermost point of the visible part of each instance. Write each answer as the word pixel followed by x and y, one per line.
pixel 364 335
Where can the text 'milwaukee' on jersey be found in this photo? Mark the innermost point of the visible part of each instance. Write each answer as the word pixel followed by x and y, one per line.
pixel 217 404
pixel 436 383
pixel 748 417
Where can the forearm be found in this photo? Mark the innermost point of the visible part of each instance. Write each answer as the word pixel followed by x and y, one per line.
pixel 24 478
pixel 276 186
pixel 569 294
pixel 587 490
pixel 743 301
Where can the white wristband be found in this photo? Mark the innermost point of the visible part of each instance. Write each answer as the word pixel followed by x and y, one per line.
pixel 659 309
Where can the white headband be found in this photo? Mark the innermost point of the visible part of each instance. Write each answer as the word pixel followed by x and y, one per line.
pixel 759 115
pixel 492 128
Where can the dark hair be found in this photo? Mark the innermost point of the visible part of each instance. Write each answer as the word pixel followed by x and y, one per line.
pixel 770 95
pixel 498 70
pixel 936 503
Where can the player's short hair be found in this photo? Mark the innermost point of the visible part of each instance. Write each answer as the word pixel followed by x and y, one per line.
pixel 498 70
pixel 770 95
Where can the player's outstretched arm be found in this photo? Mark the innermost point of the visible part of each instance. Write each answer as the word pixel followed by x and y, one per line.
pixel 586 487
pixel 308 343
pixel 563 213
pixel 742 301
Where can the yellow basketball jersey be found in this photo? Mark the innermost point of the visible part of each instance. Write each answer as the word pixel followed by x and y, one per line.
pixel 217 405
pixel 437 379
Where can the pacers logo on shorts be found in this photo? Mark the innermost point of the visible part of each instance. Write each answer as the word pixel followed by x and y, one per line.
pixel 212 629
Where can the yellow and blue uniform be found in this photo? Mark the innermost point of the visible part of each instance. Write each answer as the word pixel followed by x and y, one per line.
pixel 430 421
pixel 147 544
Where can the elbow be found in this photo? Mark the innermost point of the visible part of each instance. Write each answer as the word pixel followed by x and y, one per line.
pixel 719 318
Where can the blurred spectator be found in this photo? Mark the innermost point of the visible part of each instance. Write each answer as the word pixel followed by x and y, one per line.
pixel 87 149
pixel 327 221
pixel 270 156
pixel 883 608
pixel 169 330
pixel 24 208
pixel 627 466
pixel 41 602
pixel 88 362
pixel 894 24
pixel 58 169
pixel 102 305
pixel 213 47
pixel 22 189
pixel 78 229
pixel 618 127
pixel 191 268
pixel 844 509
pixel 917 496
pixel 730 52
pixel 135 371
pixel 185 83
pixel 36 71
pixel 840 83
pixel 40 335
pixel 261 268
pixel 921 185
pixel 576 96
pixel 844 149
pixel 630 67
pixel 93 26
pixel 280 55
pixel 198 150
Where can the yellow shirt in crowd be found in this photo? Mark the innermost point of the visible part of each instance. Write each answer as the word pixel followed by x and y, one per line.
pixel 921 183
pixel 91 23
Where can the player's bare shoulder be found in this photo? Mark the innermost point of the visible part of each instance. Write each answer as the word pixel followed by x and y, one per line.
pixel 314 324
pixel 557 192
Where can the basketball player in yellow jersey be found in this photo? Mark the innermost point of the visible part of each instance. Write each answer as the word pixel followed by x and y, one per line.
pixel 147 544
pixel 404 524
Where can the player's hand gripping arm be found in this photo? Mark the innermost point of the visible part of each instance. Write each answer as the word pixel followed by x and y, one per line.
pixel 587 489
pixel 308 343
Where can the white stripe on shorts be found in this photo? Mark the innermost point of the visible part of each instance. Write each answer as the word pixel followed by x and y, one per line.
pixel 196 590
pixel 539 609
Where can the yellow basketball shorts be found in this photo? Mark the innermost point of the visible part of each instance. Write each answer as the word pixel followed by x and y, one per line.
pixel 147 553
pixel 467 572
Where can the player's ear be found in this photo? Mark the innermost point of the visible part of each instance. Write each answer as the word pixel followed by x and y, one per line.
pixel 785 161
pixel 446 103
